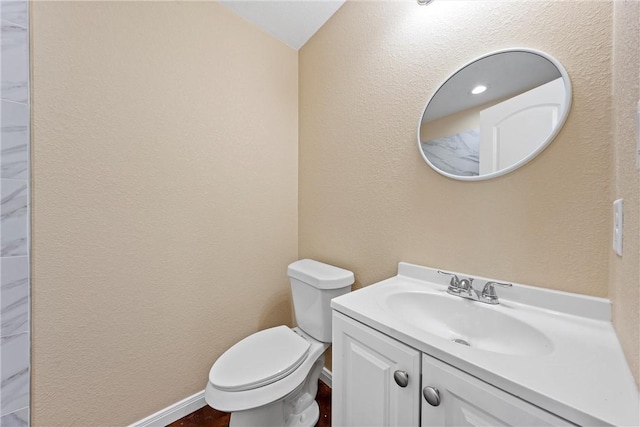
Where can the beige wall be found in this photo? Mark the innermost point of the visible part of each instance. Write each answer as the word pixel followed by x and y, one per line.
pixel 367 199
pixel 452 124
pixel 455 123
pixel 164 201
pixel 624 286
pixel 165 192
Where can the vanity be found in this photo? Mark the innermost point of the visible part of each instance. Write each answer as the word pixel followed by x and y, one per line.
pixel 406 352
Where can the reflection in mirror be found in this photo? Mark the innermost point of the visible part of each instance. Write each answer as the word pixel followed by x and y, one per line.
pixel 494 114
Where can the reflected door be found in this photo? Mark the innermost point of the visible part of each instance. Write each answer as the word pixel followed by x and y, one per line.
pixel 513 129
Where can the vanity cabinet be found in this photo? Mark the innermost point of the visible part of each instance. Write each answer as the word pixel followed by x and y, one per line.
pixel 365 391
pixel 369 389
pixel 468 401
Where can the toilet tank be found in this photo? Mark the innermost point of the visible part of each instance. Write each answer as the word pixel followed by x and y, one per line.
pixel 313 285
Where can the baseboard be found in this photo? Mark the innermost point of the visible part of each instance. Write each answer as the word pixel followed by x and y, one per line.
pixel 174 412
pixel 325 376
pixel 191 404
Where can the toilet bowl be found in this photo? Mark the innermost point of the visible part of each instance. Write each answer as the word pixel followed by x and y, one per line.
pixel 270 378
pixel 288 398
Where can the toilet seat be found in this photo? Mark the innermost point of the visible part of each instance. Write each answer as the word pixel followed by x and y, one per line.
pixel 231 401
pixel 259 359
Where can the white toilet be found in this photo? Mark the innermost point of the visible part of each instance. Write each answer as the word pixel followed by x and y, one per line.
pixel 270 378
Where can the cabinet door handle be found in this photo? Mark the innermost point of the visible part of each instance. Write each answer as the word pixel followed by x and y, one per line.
pixel 432 395
pixel 401 377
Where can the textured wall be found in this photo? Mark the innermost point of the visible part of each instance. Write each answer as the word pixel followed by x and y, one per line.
pixel 14 229
pixel 164 200
pixel 367 199
pixel 624 286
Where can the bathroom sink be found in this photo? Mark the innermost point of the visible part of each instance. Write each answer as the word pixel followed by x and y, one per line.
pixel 468 323
pixel 553 349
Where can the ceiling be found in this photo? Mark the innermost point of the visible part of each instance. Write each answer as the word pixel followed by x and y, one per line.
pixel 291 21
pixel 505 74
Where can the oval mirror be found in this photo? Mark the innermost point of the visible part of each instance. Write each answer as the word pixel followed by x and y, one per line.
pixel 494 114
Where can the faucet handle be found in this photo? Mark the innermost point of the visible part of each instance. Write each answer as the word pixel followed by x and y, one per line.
pixel 489 291
pixel 454 284
pixel 454 277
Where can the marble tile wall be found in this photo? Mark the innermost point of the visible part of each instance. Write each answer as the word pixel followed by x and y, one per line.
pixel 457 154
pixel 14 213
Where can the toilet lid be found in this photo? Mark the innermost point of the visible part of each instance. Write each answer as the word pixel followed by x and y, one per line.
pixel 259 359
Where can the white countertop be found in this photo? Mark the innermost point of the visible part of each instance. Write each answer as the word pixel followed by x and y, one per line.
pixel 584 378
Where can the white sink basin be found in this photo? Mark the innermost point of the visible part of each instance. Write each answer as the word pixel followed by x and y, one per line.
pixel 555 350
pixel 466 322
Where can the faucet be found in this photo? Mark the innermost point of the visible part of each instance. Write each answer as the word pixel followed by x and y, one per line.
pixel 460 287
pixel 464 288
pixel 489 292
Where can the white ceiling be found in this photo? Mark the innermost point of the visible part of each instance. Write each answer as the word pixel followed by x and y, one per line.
pixel 291 21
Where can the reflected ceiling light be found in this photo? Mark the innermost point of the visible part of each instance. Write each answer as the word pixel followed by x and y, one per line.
pixel 478 89
pixel 424 2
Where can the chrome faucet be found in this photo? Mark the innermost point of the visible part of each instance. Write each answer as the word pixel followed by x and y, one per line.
pixel 464 288
pixel 460 287
pixel 489 292
pixel 454 284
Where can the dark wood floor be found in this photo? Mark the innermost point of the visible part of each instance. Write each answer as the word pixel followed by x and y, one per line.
pixel 209 417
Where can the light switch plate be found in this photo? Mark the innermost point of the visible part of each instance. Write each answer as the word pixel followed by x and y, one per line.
pixel 618 221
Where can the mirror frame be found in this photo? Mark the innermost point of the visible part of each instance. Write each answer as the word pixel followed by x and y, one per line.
pixel 562 119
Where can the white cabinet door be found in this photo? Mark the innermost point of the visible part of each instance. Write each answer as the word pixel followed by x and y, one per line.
pixel 468 401
pixel 365 392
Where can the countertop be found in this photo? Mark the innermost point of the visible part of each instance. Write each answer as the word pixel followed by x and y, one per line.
pixel 584 378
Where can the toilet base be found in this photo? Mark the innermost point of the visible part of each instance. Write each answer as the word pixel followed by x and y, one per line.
pixel 298 409
pixel 272 417
pixel 308 417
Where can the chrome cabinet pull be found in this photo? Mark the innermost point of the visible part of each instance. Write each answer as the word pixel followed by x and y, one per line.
pixel 401 377
pixel 432 395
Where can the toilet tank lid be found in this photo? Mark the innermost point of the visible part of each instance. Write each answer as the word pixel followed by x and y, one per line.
pixel 320 275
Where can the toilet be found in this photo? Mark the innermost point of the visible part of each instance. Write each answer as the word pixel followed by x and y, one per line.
pixel 270 378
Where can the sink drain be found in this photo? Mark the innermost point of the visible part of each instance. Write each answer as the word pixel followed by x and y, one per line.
pixel 460 341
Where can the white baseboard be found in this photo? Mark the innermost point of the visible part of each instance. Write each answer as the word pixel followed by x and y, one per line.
pixel 174 412
pixel 191 404
pixel 325 376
